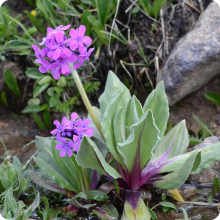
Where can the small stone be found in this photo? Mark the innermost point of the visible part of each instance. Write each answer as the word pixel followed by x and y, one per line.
pixel 205 176
pixel 187 191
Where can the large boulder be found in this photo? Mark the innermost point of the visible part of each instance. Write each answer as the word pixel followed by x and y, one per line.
pixel 195 59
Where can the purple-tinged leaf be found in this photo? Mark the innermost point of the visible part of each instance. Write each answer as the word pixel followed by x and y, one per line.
pixel 70 208
pixel 178 177
pixel 45 181
pixel 94 180
pixel 106 212
pixel 134 207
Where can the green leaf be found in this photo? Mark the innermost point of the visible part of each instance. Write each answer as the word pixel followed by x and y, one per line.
pixel 133 113
pixel 68 166
pixel 97 195
pixel 107 212
pixel 11 82
pixel 153 215
pixel 34 73
pixel 144 136
pixel 119 101
pixel 61 82
pixel 168 205
pixel 39 89
pixel 156 7
pixel 81 195
pixel 35 101
pixel 41 7
pixel 96 133
pixel 174 143
pixel 112 87
pixel 4 99
pixel 10 202
pixel 85 21
pixel 50 9
pixel 89 156
pixel 21 187
pixel 135 209
pixel 103 10
pixel 61 181
pixel 178 177
pixel 146 5
pixel 34 108
pixel 98 27
pixel 157 102
pixel 209 155
pixel 18 165
pixel 213 97
pixel 63 4
pixel 45 80
pixel 35 22
pixel 47 118
pixel 45 181
pixel 38 121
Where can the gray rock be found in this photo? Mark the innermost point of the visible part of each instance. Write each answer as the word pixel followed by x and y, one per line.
pixel 187 191
pixel 208 141
pixel 205 176
pixel 195 59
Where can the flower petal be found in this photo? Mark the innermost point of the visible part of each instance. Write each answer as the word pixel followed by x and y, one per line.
pixel 75 138
pixel 55 74
pixel 43 69
pixel 89 133
pixel 67 52
pixel 64 68
pixel 59 147
pixel 74 116
pixel 73 33
pixel 57 123
pixel 82 30
pixel 59 37
pixel 70 143
pixel 87 40
pixel 57 54
pixel 76 145
pixel 54 131
pixel 63 153
pixel 71 59
pixel 86 123
pixel 65 27
pixel 69 152
pixel 79 123
pixel 81 47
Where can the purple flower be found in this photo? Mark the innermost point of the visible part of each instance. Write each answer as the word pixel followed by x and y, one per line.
pixel 41 54
pixel 59 127
pixel 64 147
pixel 59 46
pixel 61 64
pixel 51 32
pixel 78 39
pixel 78 138
pixel 72 122
pixel 82 57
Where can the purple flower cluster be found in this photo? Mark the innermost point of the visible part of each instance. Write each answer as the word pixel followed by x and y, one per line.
pixel 74 129
pixel 60 50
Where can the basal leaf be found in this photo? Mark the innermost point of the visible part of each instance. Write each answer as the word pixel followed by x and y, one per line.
pixel 39 121
pixel 89 156
pixel 213 97
pixel 61 181
pixel 68 166
pixel 144 135
pixel 157 102
pixel 119 101
pixel 173 144
pixel 178 177
pixel 112 87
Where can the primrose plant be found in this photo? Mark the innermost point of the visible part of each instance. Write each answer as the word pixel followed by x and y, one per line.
pixel 132 133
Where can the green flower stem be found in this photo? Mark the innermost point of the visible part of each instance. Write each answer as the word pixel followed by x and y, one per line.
pixel 85 99
pixel 85 178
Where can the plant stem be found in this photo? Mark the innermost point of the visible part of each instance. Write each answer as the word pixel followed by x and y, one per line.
pixel 85 99
pixel 85 178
